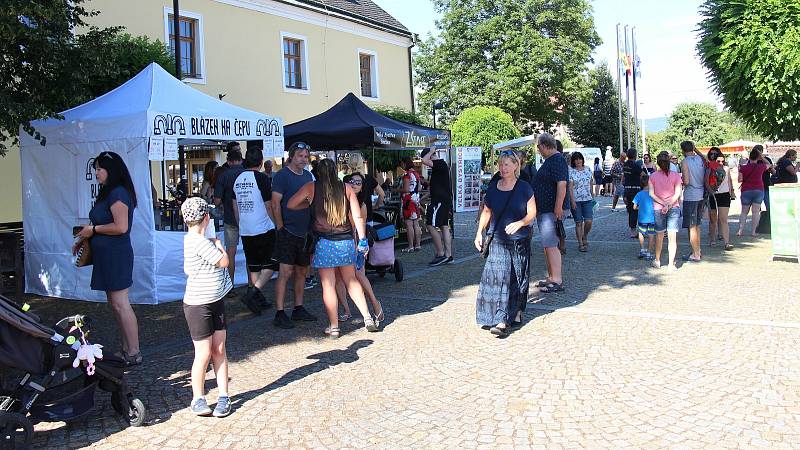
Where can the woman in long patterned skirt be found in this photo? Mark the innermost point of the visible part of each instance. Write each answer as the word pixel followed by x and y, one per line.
pixel 509 210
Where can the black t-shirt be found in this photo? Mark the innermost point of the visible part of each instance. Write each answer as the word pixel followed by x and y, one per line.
pixel 781 175
pixel 440 183
pixel 545 183
pixel 223 190
pixel 766 177
pixel 632 175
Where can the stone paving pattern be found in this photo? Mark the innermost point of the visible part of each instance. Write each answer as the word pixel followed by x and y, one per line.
pixel 627 357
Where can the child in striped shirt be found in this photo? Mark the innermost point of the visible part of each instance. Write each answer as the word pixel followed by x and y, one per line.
pixel 205 263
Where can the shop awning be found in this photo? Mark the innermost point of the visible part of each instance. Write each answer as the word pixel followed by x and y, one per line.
pixel 352 124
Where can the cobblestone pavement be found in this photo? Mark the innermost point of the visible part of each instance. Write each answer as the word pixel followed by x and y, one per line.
pixel 626 357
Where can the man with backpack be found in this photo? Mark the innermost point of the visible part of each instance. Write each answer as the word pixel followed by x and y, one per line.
pixel 694 172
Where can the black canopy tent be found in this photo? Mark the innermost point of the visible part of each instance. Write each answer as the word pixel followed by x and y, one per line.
pixel 350 124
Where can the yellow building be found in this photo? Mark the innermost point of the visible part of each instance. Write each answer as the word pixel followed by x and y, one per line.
pixel 287 58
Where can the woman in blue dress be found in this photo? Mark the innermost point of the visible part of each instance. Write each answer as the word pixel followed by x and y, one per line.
pixel 110 241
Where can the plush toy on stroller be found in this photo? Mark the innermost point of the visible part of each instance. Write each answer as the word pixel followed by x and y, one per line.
pixel 62 370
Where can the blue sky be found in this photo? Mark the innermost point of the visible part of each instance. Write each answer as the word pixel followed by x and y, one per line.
pixel 665 38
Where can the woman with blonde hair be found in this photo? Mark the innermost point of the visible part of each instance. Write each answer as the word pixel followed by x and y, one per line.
pixel 509 208
pixel 335 213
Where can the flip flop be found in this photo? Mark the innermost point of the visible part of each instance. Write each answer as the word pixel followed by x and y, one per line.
pixel 551 287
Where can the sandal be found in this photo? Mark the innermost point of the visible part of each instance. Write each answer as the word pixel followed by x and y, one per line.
pixel 370 325
pixel 552 287
pixel 130 360
pixel 416 249
pixel 333 332
pixel 582 248
pixel 542 283
pixel 408 250
pixel 497 331
pixel 345 317
pixel 728 247
pixel 379 317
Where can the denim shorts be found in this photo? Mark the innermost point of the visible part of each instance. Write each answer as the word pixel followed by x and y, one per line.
pixel 753 197
pixel 693 213
pixel 583 211
pixel 547 229
pixel 668 222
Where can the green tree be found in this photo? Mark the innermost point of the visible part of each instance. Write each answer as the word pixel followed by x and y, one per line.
pixel 387 160
pixel 697 122
pixel 750 49
pixel 524 56
pixel 52 61
pixel 483 126
pixel 596 122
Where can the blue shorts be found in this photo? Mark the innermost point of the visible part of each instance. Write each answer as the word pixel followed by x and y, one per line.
pixel 647 228
pixel 329 253
pixel 668 222
pixel 693 213
pixel 547 229
pixel 583 211
pixel 753 197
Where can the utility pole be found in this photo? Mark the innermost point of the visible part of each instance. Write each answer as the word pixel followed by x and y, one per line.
pixel 619 91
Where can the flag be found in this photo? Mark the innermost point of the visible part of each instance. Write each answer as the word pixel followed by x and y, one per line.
pixel 626 61
pixel 637 67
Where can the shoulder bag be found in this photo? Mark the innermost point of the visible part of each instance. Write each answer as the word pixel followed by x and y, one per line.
pixel 84 257
pixel 490 236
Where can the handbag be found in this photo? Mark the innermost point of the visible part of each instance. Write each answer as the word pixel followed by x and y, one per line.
pixel 310 242
pixel 490 236
pixel 84 255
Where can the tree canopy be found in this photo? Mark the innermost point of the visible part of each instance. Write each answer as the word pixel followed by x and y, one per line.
pixel 524 56
pixel 750 49
pixel 52 61
pixel 483 126
pixel 596 122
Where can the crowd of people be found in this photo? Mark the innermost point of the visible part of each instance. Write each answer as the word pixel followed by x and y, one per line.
pixel 295 221
pixel 660 199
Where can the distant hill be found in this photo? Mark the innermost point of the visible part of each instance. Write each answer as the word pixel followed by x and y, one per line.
pixel 655 125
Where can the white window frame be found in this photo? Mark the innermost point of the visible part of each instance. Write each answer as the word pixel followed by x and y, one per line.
pixel 305 66
pixel 199 41
pixel 373 71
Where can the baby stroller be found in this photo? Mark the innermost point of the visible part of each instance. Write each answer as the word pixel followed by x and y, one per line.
pixel 52 390
pixel 382 231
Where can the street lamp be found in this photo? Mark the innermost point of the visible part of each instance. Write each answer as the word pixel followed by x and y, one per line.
pixel 436 105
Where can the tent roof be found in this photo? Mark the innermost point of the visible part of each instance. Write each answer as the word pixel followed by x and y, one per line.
pixel 740 143
pixel 352 124
pixel 516 143
pixel 129 110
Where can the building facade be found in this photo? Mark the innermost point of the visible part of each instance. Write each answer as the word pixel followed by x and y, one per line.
pixel 287 58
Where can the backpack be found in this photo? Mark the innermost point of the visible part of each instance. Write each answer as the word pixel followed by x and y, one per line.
pixel 716 175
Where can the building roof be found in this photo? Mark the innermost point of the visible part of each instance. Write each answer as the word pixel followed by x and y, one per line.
pixel 365 10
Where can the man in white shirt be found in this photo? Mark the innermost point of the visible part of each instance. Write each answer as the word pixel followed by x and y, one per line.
pixel 252 207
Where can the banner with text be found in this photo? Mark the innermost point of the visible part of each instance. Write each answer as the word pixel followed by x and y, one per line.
pixel 468 178
pixel 217 128
pixel 409 139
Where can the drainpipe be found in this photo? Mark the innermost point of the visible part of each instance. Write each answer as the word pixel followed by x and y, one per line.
pixel 411 74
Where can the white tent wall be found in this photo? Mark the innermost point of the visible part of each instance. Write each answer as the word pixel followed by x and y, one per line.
pixel 54 180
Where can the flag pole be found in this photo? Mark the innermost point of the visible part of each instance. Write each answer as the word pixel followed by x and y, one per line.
pixel 635 97
pixel 619 91
pixel 627 91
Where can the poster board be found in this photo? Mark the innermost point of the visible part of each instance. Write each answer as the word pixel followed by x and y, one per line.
pixel 468 178
pixel 785 220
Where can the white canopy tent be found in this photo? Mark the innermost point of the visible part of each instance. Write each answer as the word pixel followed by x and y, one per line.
pixel 58 185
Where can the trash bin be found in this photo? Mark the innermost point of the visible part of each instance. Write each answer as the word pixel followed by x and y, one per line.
pixel 785 220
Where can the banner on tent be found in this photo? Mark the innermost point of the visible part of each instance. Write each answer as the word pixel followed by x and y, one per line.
pixel 87 188
pixel 155 151
pixel 221 128
pixel 468 178
pixel 389 138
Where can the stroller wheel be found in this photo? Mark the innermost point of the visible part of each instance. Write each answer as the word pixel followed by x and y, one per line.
pixel 398 270
pixel 132 409
pixel 138 413
pixel 16 431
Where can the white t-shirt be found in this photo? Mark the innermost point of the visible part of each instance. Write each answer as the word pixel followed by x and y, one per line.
pixel 206 282
pixel 250 190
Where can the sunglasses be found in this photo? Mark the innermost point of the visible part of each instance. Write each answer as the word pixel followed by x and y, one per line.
pixel 508 153
pixel 301 146
pixel 355 182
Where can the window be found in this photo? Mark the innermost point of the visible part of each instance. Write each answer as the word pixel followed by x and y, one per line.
pixel 190 35
pixel 368 74
pixel 295 63
pixel 187 36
